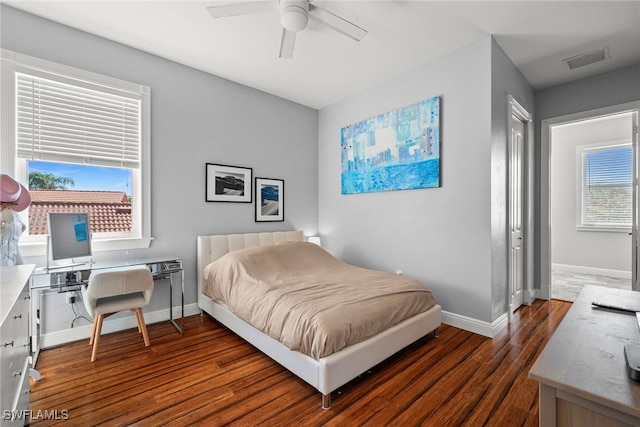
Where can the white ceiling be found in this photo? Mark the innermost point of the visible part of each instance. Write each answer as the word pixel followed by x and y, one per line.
pixel 327 66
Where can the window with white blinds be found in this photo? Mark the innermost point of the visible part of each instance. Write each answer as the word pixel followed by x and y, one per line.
pixel 58 121
pixel 605 181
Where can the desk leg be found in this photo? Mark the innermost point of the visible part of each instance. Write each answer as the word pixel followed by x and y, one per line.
pixel 182 302
pixel 37 298
pixel 180 327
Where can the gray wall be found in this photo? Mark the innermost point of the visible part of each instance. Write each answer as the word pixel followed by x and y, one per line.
pixel 441 236
pixel 506 80
pixel 604 90
pixel 195 118
pixel 607 250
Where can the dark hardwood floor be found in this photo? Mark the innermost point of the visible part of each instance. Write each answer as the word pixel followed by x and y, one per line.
pixel 211 377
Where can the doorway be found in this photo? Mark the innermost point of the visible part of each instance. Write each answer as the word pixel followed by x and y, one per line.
pixel 587 246
pixel 520 203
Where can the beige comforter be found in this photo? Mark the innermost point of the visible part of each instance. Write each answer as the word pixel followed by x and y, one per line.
pixel 310 301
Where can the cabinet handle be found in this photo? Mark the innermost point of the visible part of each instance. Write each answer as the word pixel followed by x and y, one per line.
pixel 18 316
pixel 17 373
pixel 7 343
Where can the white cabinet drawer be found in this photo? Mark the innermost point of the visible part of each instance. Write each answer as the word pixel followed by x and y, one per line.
pixel 14 344
pixel 11 360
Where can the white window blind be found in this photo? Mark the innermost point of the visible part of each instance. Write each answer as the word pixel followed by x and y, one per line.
pixel 606 183
pixel 55 113
pixel 68 121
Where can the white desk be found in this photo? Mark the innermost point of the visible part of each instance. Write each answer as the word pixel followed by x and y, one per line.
pixel 67 279
pixel 582 370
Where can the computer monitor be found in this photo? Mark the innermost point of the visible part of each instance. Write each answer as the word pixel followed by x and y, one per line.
pixel 69 237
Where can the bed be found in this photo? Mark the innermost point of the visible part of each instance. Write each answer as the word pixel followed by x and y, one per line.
pixel 325 373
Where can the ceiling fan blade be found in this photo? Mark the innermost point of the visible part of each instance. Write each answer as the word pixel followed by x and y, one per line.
pixel 337 23
pixel 242 8
pixel 287 43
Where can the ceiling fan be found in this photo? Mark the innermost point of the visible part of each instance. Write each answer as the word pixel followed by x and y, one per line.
pixel 294 17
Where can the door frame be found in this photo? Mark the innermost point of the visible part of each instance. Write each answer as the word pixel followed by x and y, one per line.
pixel 545 181
pixel 515 109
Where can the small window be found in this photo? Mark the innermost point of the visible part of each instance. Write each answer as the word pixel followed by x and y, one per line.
pixel 80 142
pixel 605 174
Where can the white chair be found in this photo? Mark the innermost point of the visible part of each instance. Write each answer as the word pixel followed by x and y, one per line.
pixel 113 291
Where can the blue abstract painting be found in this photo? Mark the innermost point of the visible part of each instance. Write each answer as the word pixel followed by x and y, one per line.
pixel 398 150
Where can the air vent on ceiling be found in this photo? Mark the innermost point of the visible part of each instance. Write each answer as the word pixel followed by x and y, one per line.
pixel 586 58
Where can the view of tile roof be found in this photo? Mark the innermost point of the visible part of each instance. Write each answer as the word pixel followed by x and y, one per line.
pixel 109 211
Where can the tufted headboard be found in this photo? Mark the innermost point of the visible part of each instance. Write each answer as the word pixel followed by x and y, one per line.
pixel 210 248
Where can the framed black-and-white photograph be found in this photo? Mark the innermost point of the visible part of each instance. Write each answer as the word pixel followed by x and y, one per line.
pixel 228 183
pixel 269 199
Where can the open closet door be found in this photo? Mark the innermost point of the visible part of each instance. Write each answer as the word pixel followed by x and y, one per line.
pixel 635 262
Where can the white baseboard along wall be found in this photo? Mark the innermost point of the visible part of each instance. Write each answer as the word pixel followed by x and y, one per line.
pixel 128 321
pixel 592 270
pixel 56 338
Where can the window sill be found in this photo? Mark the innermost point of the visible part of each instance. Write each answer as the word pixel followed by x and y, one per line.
pixel 605 229
pixel 33 249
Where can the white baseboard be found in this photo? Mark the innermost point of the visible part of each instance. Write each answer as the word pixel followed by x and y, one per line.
pixel 592 270
pixel 56 338
pixel 474 325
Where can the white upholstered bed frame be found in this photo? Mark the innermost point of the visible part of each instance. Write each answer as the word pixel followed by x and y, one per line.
pixel 328 373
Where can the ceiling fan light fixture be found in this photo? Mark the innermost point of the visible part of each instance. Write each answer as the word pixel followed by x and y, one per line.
pixel 294 17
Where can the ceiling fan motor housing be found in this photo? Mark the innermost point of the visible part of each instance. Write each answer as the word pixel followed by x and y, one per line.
pixel 294 15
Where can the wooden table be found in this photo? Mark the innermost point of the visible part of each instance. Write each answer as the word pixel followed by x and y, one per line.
pixel 582 371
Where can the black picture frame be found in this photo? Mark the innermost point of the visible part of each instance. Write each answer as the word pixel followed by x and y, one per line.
pixel 225 183
pixel 269 199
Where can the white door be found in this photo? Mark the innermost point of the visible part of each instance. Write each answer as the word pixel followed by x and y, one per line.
pixel 516 212
pixel 635 261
